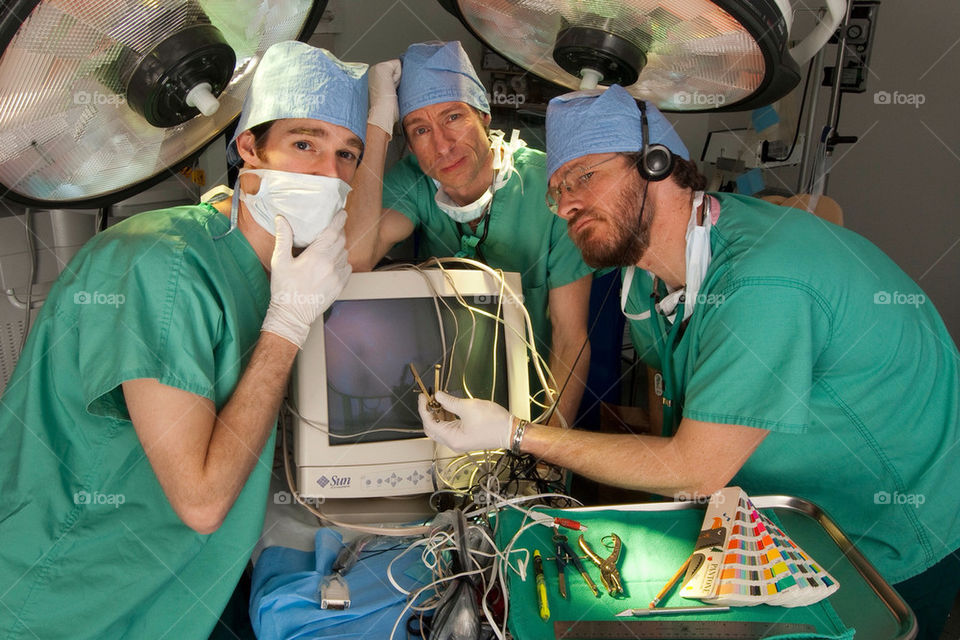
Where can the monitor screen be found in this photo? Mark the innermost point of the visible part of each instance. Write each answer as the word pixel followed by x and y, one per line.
pixel 370 345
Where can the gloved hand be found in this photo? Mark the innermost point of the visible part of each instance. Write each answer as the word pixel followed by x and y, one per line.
pixel 383 79
pixel 302 288
pixel 482 424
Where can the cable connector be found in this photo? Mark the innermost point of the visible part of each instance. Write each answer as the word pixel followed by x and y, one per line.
pixel 566 523
pixel 570 524
pixel 334 592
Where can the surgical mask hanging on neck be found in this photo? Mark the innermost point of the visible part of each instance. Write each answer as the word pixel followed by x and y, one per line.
pixel 466 213
pixel 308 202
pixel 502 170
pixel 697 254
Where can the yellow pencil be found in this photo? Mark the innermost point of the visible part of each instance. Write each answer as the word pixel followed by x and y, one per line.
pixel 670 583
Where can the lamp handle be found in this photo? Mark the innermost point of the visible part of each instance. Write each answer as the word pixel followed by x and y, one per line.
pixel 816 39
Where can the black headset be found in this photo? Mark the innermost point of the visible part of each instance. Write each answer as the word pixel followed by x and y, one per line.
pixel 656 160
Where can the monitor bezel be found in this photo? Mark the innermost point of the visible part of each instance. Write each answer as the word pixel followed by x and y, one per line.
pixel 346 470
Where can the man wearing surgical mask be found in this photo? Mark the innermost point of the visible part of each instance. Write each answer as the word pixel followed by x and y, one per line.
pixel 788 367
pixel 473 193
pixel 139 423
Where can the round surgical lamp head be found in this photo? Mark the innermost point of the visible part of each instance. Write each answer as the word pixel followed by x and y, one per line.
pixel 102 99
pixel 682 55
pixel 596 56
pixel 182 76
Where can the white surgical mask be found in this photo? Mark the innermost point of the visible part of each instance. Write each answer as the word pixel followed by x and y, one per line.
pixel 502 170
pixel 697 254
pixel 308 202
pixel 466 213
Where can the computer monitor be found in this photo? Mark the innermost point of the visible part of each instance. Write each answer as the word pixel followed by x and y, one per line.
pixel 357 432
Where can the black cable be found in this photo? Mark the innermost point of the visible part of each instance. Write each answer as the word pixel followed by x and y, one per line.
pixel 583 346
pixel 485 221
pixel 803 103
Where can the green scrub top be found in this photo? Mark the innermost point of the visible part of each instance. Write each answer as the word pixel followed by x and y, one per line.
pixel 523 236
pixel 808 330
pixel 91 546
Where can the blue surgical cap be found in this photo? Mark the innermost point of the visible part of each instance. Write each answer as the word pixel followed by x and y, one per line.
pixel 435 73
pixel 295 80
pixel 602 121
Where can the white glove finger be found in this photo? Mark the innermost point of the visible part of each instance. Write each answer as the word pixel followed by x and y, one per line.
pixel 394 66
pixel 341 265
pixel 425 416
pixel 388 70
pixel 444 433
pixel 451 403
pixel 331 243
pixel 334 230
pixel 342 274
pixel 331 246
pixel 283 244
pixel 338 221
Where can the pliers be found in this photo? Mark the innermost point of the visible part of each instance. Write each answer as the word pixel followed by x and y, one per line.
pixel 565 556
pixel 609 573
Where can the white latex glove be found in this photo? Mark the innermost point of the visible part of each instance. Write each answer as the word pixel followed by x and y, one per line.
pixel 302 288
pixel 383 79
pixel 482 424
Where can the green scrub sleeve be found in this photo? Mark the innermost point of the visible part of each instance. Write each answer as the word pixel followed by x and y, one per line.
pixel 755 364
pixel 402 191
pixel 148 318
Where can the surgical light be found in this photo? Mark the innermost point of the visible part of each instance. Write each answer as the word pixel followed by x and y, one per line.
pixel 683 55
pixel 99 99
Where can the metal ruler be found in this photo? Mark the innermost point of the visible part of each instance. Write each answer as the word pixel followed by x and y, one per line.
pixel 674 629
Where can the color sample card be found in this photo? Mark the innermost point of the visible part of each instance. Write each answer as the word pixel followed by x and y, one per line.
pixel 813 582
pixel 702 577
pixel 759 564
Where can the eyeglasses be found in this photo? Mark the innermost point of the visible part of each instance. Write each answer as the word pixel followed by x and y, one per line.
pixel 570 188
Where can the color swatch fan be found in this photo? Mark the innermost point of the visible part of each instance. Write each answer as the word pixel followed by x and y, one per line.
pixel 742 558
pixel 100 98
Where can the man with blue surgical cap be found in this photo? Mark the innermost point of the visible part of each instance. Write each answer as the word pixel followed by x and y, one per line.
pixel 138 425
pixel 788 367
pixel 469 192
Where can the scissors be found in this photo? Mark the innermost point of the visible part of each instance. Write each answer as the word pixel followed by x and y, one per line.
pixel 565 556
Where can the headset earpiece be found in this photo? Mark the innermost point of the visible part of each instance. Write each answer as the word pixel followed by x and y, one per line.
pixel 656 161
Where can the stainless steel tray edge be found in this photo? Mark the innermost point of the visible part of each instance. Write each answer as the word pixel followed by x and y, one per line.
pixel 886 593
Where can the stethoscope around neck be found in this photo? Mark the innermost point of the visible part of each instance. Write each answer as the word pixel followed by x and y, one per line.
pixel 666 342
pixel 470 243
